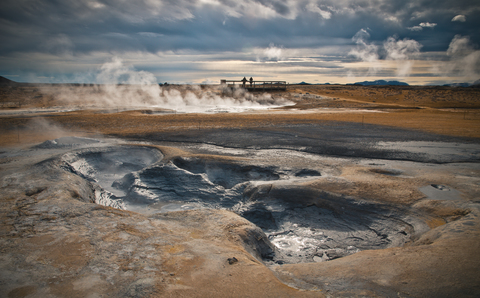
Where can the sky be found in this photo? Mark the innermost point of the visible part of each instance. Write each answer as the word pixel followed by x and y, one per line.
pixel 424 42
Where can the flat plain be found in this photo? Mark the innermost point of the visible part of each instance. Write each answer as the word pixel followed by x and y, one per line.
pixel 346 191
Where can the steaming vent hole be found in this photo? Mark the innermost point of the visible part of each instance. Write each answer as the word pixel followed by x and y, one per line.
pixel 303 224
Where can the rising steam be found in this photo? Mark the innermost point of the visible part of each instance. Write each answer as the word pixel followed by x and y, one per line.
pixel 366 51
pixel 464 58
pixel 122 86
pixel 402 51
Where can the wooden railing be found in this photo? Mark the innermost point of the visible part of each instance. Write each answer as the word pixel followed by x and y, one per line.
pixel 257 85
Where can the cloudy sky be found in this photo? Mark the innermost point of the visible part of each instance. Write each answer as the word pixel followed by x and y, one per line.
pixel 201 41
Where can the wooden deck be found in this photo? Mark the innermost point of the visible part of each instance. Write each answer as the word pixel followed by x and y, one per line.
pixel 257 85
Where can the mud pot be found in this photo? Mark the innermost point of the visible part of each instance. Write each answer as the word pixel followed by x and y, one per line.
pixel 268 187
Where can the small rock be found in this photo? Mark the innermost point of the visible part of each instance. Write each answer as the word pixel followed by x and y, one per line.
pixel 232 261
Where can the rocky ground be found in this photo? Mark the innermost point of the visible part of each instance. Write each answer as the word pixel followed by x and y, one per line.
pixel 344 202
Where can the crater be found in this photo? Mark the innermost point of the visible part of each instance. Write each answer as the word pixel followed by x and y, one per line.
pixel 310 225
pixel 104 166
pixel 304 224
pixel 224 174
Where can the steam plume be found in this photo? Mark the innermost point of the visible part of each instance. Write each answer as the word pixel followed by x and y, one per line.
pixel 365 51
pixel 123 86
pixel 402 51
pixel 464 59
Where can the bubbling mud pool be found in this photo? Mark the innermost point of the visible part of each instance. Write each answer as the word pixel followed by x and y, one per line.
pixel 303 224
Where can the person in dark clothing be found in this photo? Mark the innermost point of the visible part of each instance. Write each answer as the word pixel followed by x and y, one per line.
pixel 244 81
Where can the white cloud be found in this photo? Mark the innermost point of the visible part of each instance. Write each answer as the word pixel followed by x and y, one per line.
pixel 95 5
pixel 253 9
pixel 323 13
pixel 459 18
pixel 420 26
pixel 415 28
pixel 428 25
pixel 117 35
pixel 150 34
pixel 272 53
pixel 210 2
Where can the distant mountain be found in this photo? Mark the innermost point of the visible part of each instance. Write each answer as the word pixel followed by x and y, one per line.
pixel 303 83
pixel 475 84
pixel 5 81
pixel 458 85
pixel 380 83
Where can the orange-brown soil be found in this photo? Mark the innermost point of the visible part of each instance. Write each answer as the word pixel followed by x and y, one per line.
pixel 441 110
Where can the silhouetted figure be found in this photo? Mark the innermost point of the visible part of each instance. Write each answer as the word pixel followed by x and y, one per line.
pixel 244 81
pixel 251 81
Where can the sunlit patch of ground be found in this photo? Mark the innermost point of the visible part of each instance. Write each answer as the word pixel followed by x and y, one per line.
pixel 457 116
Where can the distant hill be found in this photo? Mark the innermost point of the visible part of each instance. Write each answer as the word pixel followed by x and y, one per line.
pixel 380 83
pixel 459 85
pixel 303 83
pixel 5 81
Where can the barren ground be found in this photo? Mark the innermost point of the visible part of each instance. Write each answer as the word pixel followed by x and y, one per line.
pixel 351 192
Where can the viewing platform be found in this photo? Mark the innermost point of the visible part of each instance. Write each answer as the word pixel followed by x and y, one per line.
pixel 252 85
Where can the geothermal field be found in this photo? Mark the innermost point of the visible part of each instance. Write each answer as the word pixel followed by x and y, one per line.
pixel 211 191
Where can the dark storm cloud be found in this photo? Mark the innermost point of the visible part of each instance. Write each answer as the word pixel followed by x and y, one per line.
pixel 78 28
pixel 83 26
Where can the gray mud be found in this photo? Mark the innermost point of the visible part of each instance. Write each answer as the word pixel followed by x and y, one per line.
pixel 340 139
pixel 303 224
pixel 104 166
pixel 308 225
pixel 440 192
